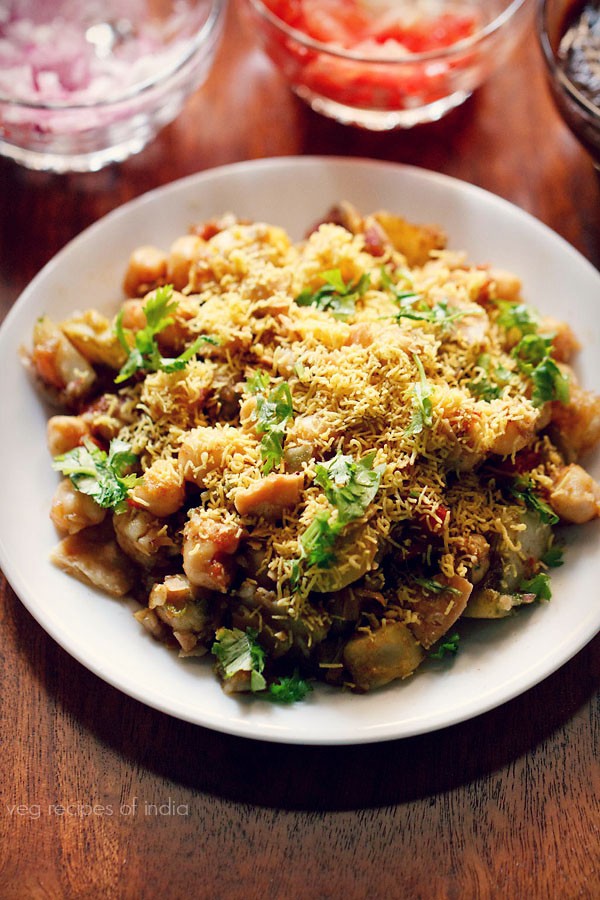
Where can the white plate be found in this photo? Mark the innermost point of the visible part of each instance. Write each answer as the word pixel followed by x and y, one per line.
pixel 497 661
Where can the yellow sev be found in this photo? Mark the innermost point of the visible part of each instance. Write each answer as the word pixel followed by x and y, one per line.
pixel 353 383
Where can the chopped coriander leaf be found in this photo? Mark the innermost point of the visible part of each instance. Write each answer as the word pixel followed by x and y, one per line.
pixel 523 490
pixel 335 296
pixel 257 383
pixel 517 315
pixel 349 485
pixel 531 350
pixel 489 385
pixel 275 409
pixel 317 541
pixel 448 647
pixel 549 383
pixel 538 585
pixel 273 414
pixel 435 587
pixel 402 275
pixel 271 448
pixel 289 689
pixel 553 557
pixel 399 293
pixel 438 314
pixel 316 547
pixel 99 474
pixel 412 305
pixel 142 349
pixel 484 389
pixel 533 355
pixel 300 370
pixel 422 414
pixel 239 651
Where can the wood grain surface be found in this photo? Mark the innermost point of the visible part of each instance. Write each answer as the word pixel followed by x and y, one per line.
pixel 102 797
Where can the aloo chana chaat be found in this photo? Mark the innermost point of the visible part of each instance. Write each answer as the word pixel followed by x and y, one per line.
pixel 311 460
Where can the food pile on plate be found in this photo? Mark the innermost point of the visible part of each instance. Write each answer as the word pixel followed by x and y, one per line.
pixel 313 460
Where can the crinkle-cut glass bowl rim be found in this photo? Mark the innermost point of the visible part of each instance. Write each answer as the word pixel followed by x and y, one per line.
pixel 467 43
pixel 196 45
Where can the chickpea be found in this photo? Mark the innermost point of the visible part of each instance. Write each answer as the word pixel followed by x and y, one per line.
pixel 133 316
pixel 575 496
pixel 72 510
pixel 161 493
pixel 65 432
pixel 564 343
pixel 507 285
pixel 147 269
pixel 183 253
pixel 206 450
pixel 209 544
pixel 58 363
pixel 516 435
pixel 269 496
pixel 143 537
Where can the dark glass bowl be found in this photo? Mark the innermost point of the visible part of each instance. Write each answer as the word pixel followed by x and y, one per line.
pixel 578 110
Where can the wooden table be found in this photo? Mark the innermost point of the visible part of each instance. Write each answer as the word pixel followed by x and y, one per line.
pixel 505 806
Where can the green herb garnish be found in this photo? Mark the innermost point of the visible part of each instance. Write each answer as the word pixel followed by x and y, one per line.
pixel 538 585
pixel 532 354
pixel 273 413
pixel 435 587
pixel 289 689
pixel 144 354
pixel 239 651
pixel 489 385
pixel 335 296
pixel 438 314
pixel 422 413
pixel 99 474
pixel 412 305
pixel 257 383
pixel 349 485
pixel 549 383
pixel 448 647
pixel 553 557
pixel 524 491
pixel 517 315
pixel 318 539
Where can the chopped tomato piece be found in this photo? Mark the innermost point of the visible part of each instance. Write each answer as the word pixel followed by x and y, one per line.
pixel 428 34
pixel 339 22
pixel 289 11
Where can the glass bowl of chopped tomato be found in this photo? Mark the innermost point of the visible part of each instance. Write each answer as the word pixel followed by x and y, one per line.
pixel 384 64
pixel 86 84
pixel 569 35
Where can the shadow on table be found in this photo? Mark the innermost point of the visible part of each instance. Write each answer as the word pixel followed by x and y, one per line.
pixel 308 777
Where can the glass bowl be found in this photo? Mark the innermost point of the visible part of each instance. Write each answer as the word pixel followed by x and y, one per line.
pixel 565 30
pixel 84 84
pixel 384 64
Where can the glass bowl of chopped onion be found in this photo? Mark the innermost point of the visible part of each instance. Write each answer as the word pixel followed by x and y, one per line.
pixel 384 64
pixel 85 84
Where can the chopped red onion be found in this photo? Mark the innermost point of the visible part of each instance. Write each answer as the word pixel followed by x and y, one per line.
pixel 82 53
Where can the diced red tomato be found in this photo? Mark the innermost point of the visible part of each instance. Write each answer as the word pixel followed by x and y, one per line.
pixel 428 34
pixel 289 11
pixel 339 22
pixel 350 24
pixel 347 23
